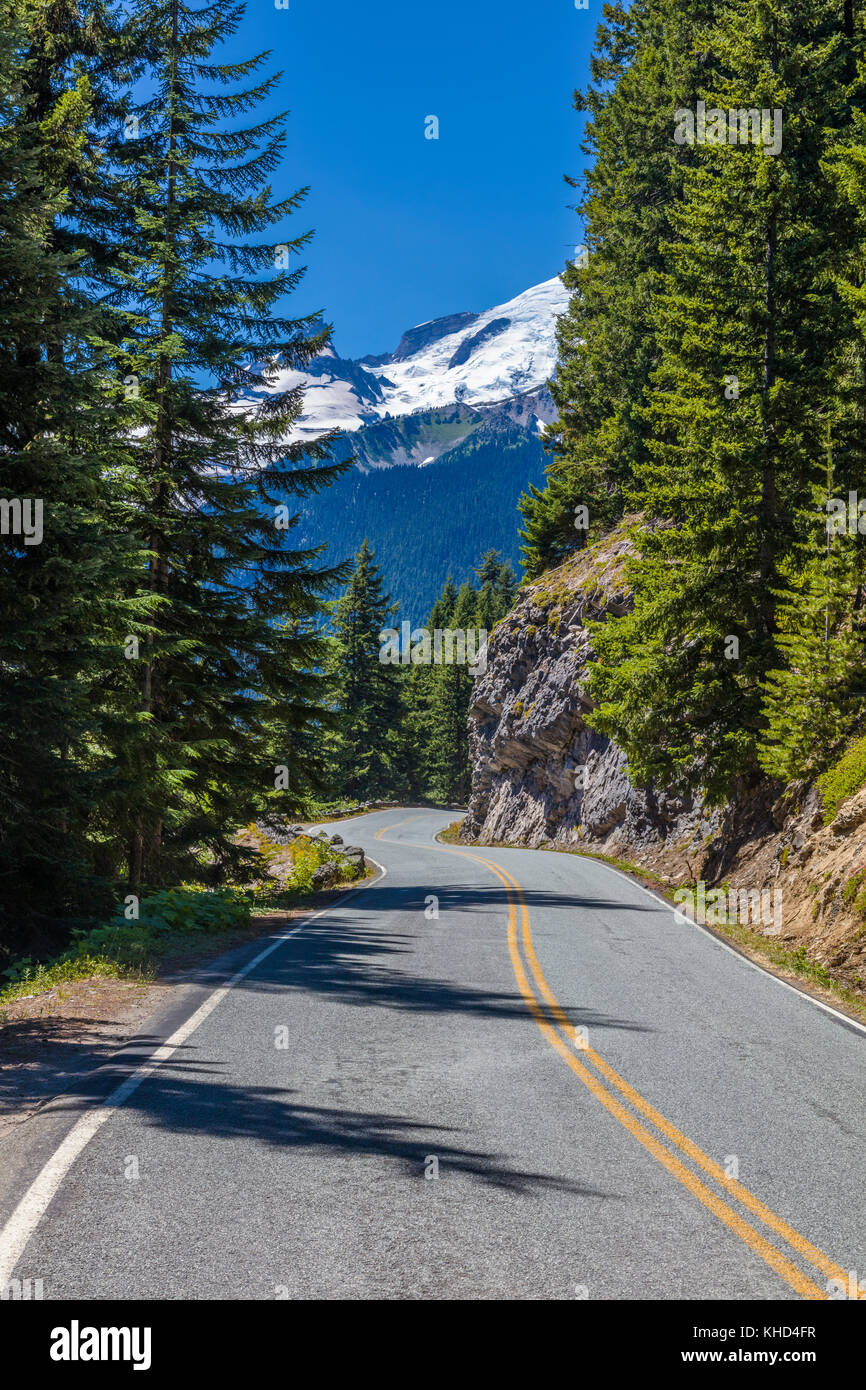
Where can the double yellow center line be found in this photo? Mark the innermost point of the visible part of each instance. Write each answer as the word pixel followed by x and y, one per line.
pixel 611 1090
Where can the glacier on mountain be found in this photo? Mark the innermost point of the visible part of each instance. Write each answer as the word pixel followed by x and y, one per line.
pixel 464 359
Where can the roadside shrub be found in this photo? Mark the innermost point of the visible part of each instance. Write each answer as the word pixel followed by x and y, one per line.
pixel 291 867
pixel 854 892
pixel 842 780
pixel 121 946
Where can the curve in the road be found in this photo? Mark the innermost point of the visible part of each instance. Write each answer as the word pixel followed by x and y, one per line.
pixel 551 1019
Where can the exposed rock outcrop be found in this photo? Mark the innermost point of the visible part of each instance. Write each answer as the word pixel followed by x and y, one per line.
pixel 541 776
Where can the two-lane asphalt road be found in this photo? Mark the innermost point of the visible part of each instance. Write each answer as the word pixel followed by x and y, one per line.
pixel 490 1074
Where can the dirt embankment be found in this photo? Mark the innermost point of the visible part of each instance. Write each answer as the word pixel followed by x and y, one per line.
pixel 542 777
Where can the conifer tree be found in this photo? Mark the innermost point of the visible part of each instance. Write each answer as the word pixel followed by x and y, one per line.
pixel 814 693
pixel 490 585
pixel 448 753
pixel 366 750
pixel 645 65
pixel 813 702
pixel 505 590
pixel 747 320
pixel 201 273
pixel 443 609
pixel 63 451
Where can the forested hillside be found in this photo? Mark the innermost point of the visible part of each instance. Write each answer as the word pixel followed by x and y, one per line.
pixel 401 693
pixel 425 523
pixel 176 653
pixel 713 377
pixel 159 658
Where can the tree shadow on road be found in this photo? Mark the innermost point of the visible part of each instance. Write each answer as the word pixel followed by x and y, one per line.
pixel 184 1104
pixel 351 960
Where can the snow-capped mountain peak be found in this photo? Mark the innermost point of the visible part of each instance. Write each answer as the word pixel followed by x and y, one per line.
pixel 466 358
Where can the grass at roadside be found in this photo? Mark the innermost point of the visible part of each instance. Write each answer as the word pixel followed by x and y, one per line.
pixel 783 959
pixel 183 925
pixel 451 834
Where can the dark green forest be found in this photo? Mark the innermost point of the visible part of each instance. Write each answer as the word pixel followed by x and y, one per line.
pixel 712 385
pixel 401 731
pixel 424 523
pixel 182 654
pixel 159 652
pixel 176 662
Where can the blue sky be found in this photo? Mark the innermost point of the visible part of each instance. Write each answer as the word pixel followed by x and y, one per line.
pixel 408 229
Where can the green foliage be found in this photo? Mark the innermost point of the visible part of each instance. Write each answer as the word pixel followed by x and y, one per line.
pixel 290 869
pixel 402 728
pixel 854 892
pixel 843 779
pixel 750 331
pixel 365 749
pixel 68 598
pixel 122 947
pixel 647 63
pixel 436 697
pixel 172 911
pixel 713 361
pixel 182 909
pixel 27 978
pixel 161 650
pixel 813 701
pixel 228 656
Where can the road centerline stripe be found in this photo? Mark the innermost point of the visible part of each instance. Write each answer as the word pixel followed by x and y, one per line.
pixel 688 1147
pixel 779 1262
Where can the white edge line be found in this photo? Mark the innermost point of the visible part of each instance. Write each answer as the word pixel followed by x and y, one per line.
pixel 705 931
pixel 24 1220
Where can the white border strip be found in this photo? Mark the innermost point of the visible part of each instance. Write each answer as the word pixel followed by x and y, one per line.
pixel 762 969
pixel 21 1225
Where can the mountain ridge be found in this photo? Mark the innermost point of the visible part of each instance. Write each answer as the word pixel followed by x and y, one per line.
pixel 445 434
pixel 466 358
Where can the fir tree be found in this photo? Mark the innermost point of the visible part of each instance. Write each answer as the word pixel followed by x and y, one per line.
pixel 813 694
pixel 448 749
pixel 747 320
pixel 62 450
pixel 644 67
pixel 813 702
pixel 490 589
pixel 366 751
pixel 201 273
pixel 505 590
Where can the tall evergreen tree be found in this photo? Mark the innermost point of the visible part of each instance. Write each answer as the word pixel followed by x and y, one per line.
pixel 448 749
pixel 647 63
pixel 505 590
pixel 813 702
pixel 490 582
pixel 814 694
pixel 201 272
pixel 63 450
pixel 748 320
pixel 366 752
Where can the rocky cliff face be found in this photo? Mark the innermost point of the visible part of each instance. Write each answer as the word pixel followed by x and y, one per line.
pixel 541 777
